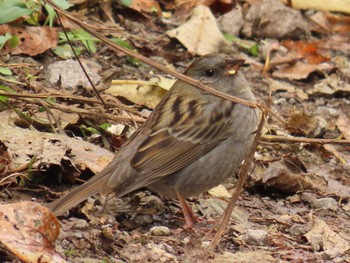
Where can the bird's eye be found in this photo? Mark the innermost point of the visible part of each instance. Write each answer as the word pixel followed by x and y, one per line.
pixel 209 72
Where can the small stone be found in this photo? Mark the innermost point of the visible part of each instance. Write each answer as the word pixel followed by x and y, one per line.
pixel 206 244
pixel 256 237
pixel 297 230
pixel 231 22
pixel 70 74
pixel 160 231
pixel 262 18
pixel 81 224
pixel 143 220
pixel 327 203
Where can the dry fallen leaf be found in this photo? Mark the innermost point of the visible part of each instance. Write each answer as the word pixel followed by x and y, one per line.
pixel 49 149
pixel 309 51
pixel 323 238
pixel 299 70
pixel 245 256
pixel 301 123
pixel 200 34
pixel 343 124
pixel 280 177
pixel 29 231
pixel 219 191
pixel 325 5
pixel 34 40
pixel 330 86
pixel 147 93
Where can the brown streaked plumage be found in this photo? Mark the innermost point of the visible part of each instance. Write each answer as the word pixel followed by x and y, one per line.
pixel 192 141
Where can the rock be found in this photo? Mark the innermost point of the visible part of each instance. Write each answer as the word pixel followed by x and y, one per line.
pixel 256 237
pixel 160 231
pixel 272 19
pixel 297 230
pixel 69 75
pixel 231 22
pixel 326 203
pixel 81 224
pixel 143 220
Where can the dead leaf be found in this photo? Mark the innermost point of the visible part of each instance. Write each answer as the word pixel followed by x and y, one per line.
pixel 339 152
pixel 299 70
pixel 338 22
pixel 335 5
pixel 58 117
pixel 280 177
pixel 147 93
pixel 29 231
pixel 146 6
pixel 247 256
pixel 33 40
pixel 331 85
pixel 323 238
pixel 200 34
pixel 23 144
pixel 300 123
pixel 309 51
pixel 343 124
pixel 219 191
pixel 277 85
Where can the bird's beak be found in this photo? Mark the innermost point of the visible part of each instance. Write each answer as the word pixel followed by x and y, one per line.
pixel 233 65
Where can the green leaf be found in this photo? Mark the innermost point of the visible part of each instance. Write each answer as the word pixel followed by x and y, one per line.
pixel 80 35
pixel 51 100
pixel 229 37
pixel 86 39
pixel 10 10
pixel 6 89
pixel 5 71
pixel 254 50
pixel 4 39
pixel 105 125
pixel 63 4
pixel 123 43
pixel 65 51
pixel 51 14
pixel 13 42
pixel 126 2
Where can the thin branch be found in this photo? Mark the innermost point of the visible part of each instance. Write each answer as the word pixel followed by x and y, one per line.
pixel 277 138
pixel 243 174
pixel 63 96
pixel 81 65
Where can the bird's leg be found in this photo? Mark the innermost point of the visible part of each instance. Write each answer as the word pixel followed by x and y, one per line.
pixel 190 218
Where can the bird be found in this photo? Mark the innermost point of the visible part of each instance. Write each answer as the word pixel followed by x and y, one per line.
pixel 190 143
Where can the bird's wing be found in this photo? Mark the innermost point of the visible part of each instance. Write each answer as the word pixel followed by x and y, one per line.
pixel 182 130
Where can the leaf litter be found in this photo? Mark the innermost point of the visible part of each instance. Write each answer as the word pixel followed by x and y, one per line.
pixel 289 179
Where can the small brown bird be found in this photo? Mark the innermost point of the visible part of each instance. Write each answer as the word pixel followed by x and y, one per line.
pixel 191 142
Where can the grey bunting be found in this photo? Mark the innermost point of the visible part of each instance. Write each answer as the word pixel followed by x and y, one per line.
pixel 191 142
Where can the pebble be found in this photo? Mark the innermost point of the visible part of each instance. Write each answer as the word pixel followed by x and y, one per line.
pixel 326 203
pixel 160 231
pixel 256 237
pixel 143 220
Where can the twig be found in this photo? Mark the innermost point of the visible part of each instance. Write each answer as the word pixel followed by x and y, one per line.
pixel 81 65
pixel 243 174
pixel 97 115
pixel 277 138
pixel 12 81
pixel 63 96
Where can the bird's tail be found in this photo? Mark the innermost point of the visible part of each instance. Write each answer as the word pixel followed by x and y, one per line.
pixel 76 196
